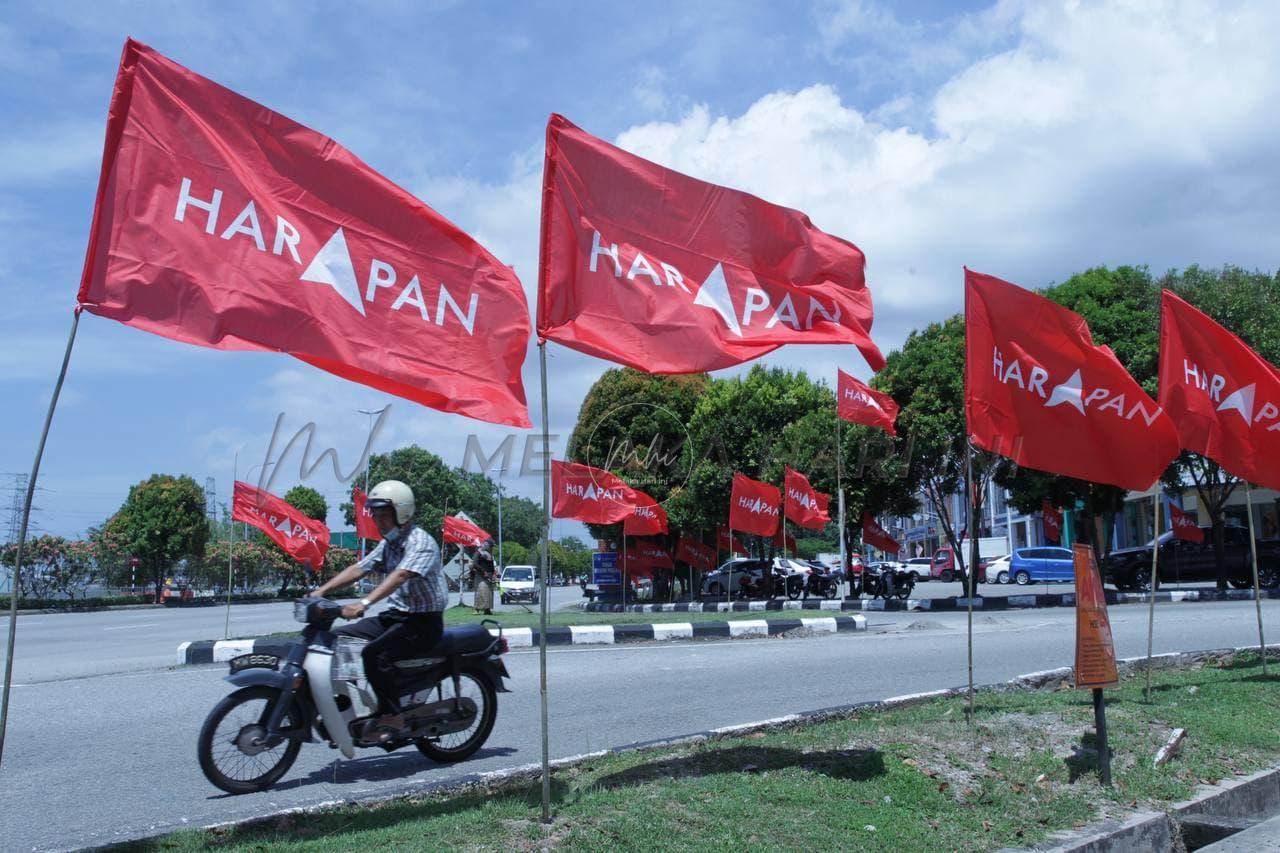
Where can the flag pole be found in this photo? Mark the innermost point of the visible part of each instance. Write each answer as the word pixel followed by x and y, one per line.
pixel 1151 593
pixel 542 599
pixel 968 455
pixel 231 541
pixel 1257 591
pixel 15 577
pixel 844 555
pixel 728 577
pixel 624 570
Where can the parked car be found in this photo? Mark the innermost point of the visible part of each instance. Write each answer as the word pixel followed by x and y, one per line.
pixel 1180 560
pixel 730 574
pixel 1042 565
pixel 517 584
pixel 919 566
pixel 997 570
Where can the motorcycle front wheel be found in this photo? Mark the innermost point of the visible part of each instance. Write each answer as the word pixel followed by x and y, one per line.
pixel 456 746
pixel 231 746
pixel 832 590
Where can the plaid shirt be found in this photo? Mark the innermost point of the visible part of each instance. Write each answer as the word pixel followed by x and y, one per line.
pixel 415 552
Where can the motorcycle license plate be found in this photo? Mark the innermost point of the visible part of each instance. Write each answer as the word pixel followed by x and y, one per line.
pixel 252 661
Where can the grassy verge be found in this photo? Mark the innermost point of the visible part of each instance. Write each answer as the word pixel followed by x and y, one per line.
pixel 908 779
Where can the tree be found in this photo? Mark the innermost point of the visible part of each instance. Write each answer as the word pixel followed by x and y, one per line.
pixel 514 554
pixel 308 501
pixel 52 566
pixel 253 563
pixel 162 522
pixel 572 544
pixel 926 380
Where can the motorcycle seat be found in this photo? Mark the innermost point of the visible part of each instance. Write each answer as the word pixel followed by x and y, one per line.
pixel 458 639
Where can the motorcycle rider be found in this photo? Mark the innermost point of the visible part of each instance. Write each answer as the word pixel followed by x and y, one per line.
pixel 414 584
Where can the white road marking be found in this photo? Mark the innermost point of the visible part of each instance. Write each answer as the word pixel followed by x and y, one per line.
pixel 131 627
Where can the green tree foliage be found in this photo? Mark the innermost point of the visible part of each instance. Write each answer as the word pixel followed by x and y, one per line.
pixel 439 489
pixel 308 501
pixel 253 563
pixel 514 554
pixel 161 523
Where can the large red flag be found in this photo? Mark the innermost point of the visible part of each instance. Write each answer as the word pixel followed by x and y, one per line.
pixel 1184 526
pixel 737 546
pixel 1052 518
pixel 1223 397
pixel 802 504
pixel 754 507
pixel 646 518
pixel 1038 390
pixel 365 527
pixel 877 537
pixel 304 539
pixel 463 532
pixel 589 494
pixel 651 268
pixel 859 403
pixel 696 554
pixel 221 223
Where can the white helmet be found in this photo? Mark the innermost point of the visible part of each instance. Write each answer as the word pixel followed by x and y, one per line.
pixel 392 493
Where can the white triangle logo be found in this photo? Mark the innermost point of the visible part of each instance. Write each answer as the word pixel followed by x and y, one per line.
pixel 285 527
pixel 1242 402
pixel 1070 392
pixel 590 493
pixel 332 266
pixel 714 294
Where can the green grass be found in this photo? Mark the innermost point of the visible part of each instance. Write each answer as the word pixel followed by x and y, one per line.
pixel 921 776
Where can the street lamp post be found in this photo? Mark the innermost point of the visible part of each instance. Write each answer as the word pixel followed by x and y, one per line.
pixel 370 413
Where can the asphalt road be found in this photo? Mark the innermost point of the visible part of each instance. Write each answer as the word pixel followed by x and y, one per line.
pixel 90 760
pixel 70 645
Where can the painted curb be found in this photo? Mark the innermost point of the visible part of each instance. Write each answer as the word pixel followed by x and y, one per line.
pixel 985 603
pixel 220 651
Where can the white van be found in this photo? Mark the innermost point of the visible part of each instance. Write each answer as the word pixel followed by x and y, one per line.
pixel 518 584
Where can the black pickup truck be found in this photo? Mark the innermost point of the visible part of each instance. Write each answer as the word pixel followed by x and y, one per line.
pixel 1129 569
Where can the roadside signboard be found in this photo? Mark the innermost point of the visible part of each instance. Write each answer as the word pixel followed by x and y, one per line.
pixel 604 569
pixel 1095 653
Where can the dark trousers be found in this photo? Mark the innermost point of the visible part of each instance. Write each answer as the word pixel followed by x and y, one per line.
pixel 393 635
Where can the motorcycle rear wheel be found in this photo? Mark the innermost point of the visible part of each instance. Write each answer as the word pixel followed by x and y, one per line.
pixel 476 686
pixel 224 751
pixel 832 590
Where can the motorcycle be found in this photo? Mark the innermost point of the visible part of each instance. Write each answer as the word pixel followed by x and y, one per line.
pixel 876 582
pixel 822 583
pixel 449 695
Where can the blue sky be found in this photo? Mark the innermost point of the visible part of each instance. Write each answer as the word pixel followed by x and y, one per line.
pixel 1028 140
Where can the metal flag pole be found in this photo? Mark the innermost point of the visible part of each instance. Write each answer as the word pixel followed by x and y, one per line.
pixel 542 598
pixel 15 578
pixel 1257 591
pixel 968 453
pixel 1151 592
pixel 231 542
pixel 728 575
pixel 844 556
pixel 624 570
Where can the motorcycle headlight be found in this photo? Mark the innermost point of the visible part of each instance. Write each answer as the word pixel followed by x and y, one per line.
pixel 300 608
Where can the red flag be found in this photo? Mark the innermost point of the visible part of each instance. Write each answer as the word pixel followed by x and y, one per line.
pixel 858 403
pixel 1223 397
pixel 589 494
pixel 802 503
pixel 651 268
pixel 365 528
pixel 646 518
pixel 788 543
pixel 696 554
pixel 723 544
pixel 754 506
pixel 1038 390
pixel 1184 526
pixel 223 224
pixel 1052 518
pixel 877 537
pixel 304 539
pixel 648 555
pixel 463 532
